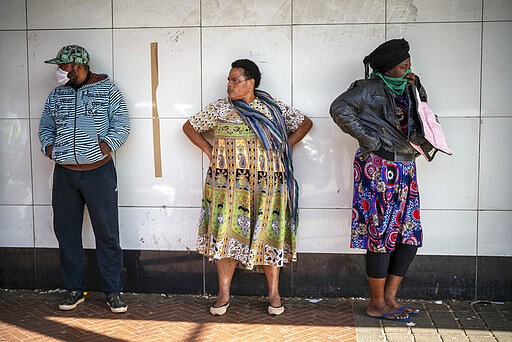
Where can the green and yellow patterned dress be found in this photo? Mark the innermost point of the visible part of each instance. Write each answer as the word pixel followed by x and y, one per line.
pixel 244 213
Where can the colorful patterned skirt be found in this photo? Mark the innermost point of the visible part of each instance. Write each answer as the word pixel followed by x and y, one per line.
pixel 386 204
pixel 244 214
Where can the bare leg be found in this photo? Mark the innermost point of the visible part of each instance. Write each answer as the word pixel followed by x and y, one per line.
pixel 272 275
pixel 390 290
pixel 378 305
pixel 225 271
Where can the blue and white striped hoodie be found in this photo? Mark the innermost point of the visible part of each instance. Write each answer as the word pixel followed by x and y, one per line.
pixel 76 122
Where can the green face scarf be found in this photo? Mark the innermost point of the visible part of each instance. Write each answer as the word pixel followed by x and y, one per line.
pixel 396 84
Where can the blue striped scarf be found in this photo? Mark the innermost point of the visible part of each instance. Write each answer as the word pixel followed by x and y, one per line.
pixel 273 135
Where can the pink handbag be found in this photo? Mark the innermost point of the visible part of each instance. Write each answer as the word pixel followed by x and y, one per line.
pixel 432 130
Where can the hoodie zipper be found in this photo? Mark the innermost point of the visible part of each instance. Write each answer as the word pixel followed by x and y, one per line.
pixel 74 127
pixel 74 122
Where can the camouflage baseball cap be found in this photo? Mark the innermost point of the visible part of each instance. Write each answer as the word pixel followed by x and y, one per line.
pixel 71 54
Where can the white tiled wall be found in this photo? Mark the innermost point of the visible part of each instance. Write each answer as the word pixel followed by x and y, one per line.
pixel 155 13
pixel 309 52
pixel 245 12
pixel 180 184
pixel 13 54
pixel 451 182
pixel 326 59
pixel 434 10
pixel 495 164
pixel 68 14
pixel 497 48
pixel 268 46
pixel 179 59
pixel 15 175
pixel 338 12
pixel 13 15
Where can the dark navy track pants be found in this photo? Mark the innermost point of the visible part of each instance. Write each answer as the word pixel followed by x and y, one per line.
pixel 98 189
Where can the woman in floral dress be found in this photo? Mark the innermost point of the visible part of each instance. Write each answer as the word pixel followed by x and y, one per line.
pixel 383 113
pixel 249 208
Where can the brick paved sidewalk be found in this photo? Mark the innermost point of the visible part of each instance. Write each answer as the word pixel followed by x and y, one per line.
pixel 440 321
pixel 30 315
pixel 26 316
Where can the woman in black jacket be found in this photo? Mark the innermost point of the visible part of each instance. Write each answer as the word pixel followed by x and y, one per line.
pixel 380 112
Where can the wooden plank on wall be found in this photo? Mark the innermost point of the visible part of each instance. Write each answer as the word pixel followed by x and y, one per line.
pixel 157 154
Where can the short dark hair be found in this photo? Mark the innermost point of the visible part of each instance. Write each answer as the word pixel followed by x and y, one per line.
pixel 251 70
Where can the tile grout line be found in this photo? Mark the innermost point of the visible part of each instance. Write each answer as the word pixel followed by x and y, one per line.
pixel 204 261
pixel 32 204
pixel 293 264
pixel 479 152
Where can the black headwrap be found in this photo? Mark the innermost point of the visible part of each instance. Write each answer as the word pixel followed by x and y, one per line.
pixel 386 56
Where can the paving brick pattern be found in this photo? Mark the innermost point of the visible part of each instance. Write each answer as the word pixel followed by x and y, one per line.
pixel 440 321
pixel 33 316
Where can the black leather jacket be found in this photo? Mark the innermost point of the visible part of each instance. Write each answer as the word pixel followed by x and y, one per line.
pixel 367 112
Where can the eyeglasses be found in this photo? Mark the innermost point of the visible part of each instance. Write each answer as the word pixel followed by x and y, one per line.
pixel 237 81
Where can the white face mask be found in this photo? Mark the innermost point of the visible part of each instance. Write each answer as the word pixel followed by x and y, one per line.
pixel 62 76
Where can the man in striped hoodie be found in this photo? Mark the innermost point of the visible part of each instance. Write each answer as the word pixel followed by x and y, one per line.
pixel 84 119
